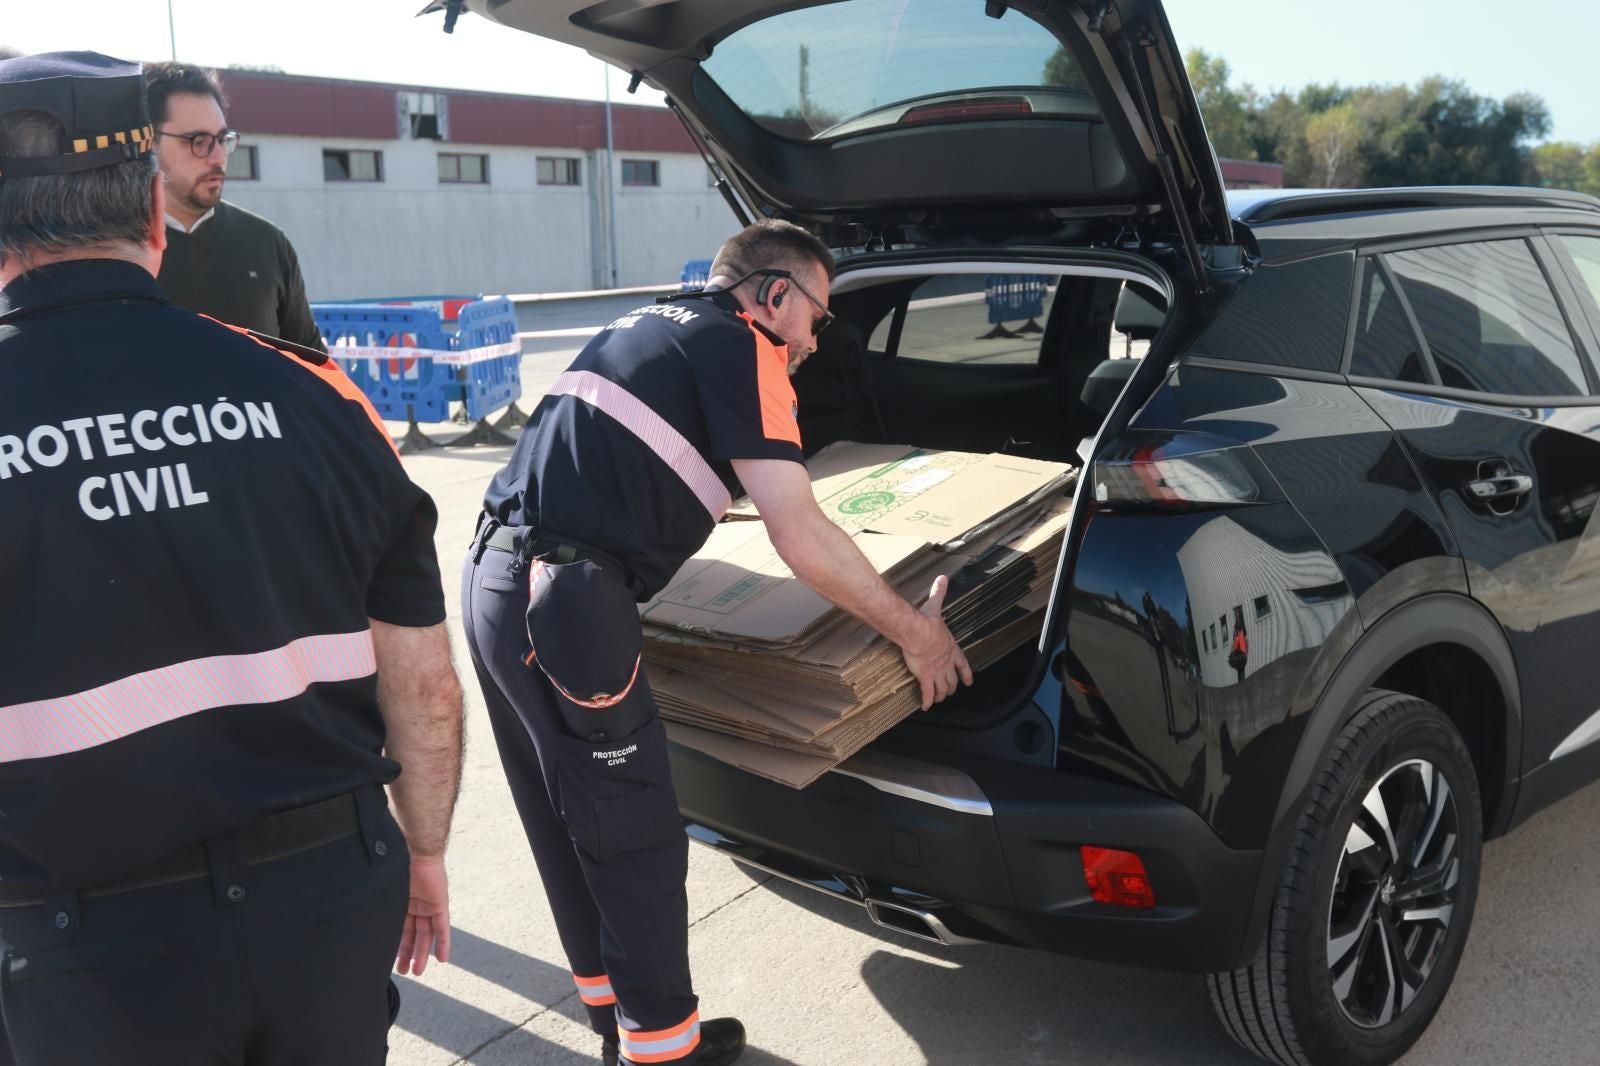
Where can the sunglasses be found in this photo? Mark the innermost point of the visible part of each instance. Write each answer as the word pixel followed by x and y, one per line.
pixel 825 316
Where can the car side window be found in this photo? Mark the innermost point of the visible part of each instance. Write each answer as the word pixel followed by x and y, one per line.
pixel 1585 254
pixel 1489 318
pixel 1385 347
pixel 973 319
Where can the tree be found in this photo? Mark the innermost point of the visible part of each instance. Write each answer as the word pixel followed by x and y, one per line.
pixel 1229 113
pixel 1444 134
pixel 1437 132
pixel 1334 141
pixel 1062 71
pixel 1591 171
pixel 1280 136
pixel 1560 165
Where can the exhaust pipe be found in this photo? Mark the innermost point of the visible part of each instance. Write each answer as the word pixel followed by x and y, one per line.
pixel 912 921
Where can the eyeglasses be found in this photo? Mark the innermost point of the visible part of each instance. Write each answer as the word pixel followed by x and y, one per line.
pixel 202 143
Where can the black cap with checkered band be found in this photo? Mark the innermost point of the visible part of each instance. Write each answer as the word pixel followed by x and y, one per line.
pixel 99 100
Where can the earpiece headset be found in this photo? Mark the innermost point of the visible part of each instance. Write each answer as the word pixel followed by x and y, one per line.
pixel 764 294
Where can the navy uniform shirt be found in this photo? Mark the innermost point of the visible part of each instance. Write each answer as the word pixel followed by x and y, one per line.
pixel 197 528
pixel 630 451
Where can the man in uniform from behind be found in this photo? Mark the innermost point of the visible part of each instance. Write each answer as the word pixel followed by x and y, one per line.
pixel 221 260
pixel 220 636
pixel 619 477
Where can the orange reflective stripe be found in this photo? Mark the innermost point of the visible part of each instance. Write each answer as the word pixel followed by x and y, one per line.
pixel 778 404
pixel 601 700
pixel 661 1045
pixel 595 991
pixel 330 373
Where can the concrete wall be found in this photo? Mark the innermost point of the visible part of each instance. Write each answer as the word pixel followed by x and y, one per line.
pixel 410 233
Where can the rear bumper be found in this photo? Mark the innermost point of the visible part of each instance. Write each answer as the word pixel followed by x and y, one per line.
pixel 979 850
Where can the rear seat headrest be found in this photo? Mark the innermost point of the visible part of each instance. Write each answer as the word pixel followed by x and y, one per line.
pixel 1139 313
pixel 1104 384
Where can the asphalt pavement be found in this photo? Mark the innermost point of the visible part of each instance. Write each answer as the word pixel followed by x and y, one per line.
pixel 818 985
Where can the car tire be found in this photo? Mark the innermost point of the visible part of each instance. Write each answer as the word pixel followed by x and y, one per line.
pixel 1375 902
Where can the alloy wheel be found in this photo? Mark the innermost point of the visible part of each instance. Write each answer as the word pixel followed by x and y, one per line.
pixel 1394 893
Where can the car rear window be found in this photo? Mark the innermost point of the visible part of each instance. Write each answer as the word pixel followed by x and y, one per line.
pixel 972 319
pixel 838 69
pixel 1289 315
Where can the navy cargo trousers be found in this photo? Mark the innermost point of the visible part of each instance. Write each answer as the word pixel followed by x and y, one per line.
pixel 282 962
pixel 556 649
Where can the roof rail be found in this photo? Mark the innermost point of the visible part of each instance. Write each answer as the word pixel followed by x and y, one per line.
pixel 1280 205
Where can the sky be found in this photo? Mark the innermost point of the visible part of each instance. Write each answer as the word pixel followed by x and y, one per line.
pixel 1542 46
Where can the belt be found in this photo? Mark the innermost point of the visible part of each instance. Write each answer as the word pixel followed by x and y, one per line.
pixel 527 542
pixel 277 836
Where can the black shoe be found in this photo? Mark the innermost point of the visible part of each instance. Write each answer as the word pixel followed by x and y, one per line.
pixel 721 1042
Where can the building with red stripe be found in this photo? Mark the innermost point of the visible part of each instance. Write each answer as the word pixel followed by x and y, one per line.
pixel 389 189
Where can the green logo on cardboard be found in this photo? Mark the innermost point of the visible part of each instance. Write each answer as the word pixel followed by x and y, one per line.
pixel 867 501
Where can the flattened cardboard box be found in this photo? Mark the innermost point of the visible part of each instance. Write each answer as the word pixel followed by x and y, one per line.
pixel 941 497
pixel 737 587
pixel 800 768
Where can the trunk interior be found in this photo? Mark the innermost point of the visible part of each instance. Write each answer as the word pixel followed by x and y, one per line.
pixel 915 357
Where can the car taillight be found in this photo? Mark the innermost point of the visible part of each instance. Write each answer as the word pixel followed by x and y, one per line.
pixel 1117 877
pixel 1176 470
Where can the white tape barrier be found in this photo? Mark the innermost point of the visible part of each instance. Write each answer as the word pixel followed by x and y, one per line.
pixel 443 358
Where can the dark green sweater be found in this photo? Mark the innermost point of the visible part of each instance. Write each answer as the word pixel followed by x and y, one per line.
pixel 241 269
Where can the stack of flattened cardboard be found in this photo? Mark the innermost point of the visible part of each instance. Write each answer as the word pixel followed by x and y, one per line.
pixel 753 668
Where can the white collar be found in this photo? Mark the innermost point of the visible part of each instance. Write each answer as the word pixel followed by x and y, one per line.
pixel 179 226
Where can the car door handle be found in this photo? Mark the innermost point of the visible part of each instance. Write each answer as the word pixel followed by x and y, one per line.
pixel 1499 488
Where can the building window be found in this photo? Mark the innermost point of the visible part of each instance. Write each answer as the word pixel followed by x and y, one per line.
pixel 455 167
pixel 556 171
pixel 641 172
pixel 352 164
pixel 242 165
pixel 1263 607
pixel 422 115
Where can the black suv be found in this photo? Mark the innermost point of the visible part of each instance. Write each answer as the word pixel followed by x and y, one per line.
pixel 1328 615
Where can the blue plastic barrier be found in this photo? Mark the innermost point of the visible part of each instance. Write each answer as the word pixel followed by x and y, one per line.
pixel 1013 296
pixel 490 383
pixel 696 272
pixel 413 357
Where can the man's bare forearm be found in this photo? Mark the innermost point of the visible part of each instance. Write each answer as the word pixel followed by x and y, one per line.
pixel 420 699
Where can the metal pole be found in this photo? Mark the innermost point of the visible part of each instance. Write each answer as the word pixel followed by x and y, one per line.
pixel 611 180
pixel 172 32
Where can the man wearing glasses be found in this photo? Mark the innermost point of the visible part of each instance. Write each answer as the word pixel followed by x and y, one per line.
pixel 623 469
pixel 221 260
